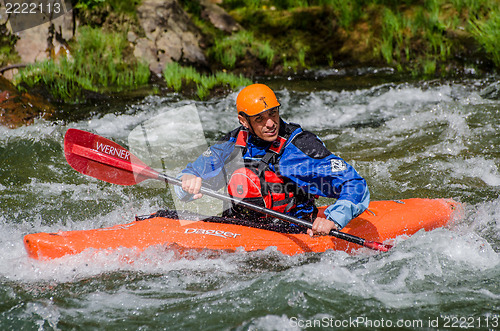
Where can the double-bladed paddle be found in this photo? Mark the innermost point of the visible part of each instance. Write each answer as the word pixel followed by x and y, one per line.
pixel 104 159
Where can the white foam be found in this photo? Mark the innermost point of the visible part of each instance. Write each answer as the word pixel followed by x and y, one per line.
pixel 476 167
pixel 40 131
pixel 338 109
pixel 424 132
pixel 275 322
pixel 406 275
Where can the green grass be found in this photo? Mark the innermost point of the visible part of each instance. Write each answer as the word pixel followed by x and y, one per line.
pixel 392 37
pixel 407 34
pixel 347 11
pixel 7 44
pixel 417 40
pixel 473 6
pixel 487 34
pixel 234 47
pixel 119 6
pixel 182 79
pixel 96 64
pixel 429 67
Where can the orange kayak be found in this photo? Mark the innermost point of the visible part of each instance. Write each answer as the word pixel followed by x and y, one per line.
pixel 384 220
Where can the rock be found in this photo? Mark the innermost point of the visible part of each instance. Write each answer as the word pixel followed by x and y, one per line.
pixel 32 44
pixel 218 17
pixel 145 49
pixel 491 92
pixel 170 35
pixel 17 109
pixel 131 36
pixel 40 42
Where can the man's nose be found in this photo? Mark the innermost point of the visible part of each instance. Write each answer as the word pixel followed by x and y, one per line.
pixel 269 122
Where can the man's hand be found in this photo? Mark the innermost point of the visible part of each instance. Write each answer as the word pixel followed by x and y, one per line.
pixel 321 226
pixel 192 184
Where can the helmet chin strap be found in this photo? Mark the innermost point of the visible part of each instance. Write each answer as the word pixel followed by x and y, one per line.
pixel 250 128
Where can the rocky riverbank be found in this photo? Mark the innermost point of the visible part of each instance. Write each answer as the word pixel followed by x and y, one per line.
pixel 435 39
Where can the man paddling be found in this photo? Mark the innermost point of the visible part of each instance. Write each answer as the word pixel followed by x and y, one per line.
pixel 277 165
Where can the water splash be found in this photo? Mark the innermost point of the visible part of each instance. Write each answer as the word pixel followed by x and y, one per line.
pixel 408 140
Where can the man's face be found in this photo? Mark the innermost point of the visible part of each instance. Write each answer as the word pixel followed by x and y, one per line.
pixel 265 125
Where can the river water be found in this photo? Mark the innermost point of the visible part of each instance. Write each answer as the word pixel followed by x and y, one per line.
pixel 407 138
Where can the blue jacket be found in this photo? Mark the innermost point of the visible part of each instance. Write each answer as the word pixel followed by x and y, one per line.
pixel 305 160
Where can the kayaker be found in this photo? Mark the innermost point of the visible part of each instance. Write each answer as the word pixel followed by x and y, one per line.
pixel 278 165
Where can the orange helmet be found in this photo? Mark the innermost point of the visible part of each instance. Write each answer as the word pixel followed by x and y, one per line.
pixel 255 99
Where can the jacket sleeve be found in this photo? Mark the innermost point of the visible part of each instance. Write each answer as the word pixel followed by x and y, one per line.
pixel 313 167
pixel 344 210
pixel 209 166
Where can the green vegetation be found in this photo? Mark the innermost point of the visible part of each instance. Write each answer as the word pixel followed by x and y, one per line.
pixel 422 38
pixel 97 63
pixel 228 50
pixel 178 77
pixel 487 33
pixel 88 4
pixel 402 33
pixel 120 6
pixel 7 42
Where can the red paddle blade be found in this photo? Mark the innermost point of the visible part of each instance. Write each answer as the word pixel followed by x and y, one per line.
pixel 104 159
pixel 377 246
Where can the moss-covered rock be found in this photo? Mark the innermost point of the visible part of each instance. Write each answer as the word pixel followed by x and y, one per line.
pixel 17 109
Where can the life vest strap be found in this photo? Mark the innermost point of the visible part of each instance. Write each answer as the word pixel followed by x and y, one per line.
pixel 277 145
pixel 241 139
